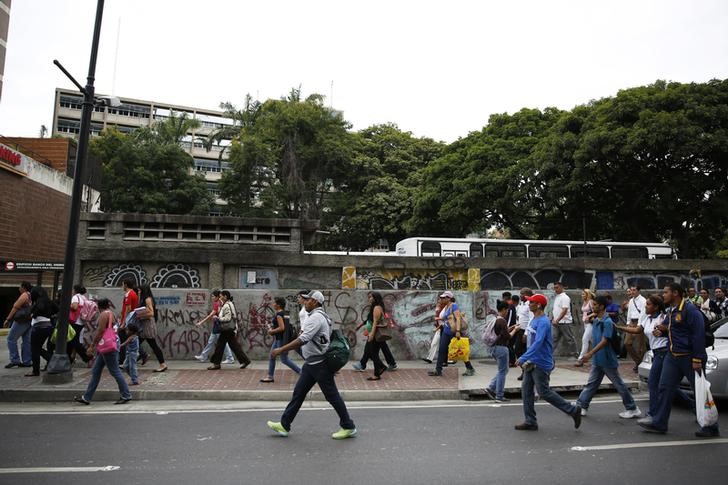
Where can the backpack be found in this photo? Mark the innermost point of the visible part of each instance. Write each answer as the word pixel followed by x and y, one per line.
pixel 489 335
pixel 291 332
pixel 89 311
pixel 709 337
pixel 616 341
pixel 339 351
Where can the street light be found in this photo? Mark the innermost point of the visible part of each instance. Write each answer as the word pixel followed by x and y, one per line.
pixel 59 367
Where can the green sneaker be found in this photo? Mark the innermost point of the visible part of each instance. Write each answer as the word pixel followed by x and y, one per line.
pixel 278 428
pixel 342 434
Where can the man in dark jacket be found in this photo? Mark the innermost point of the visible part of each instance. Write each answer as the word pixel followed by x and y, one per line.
pixel 685 327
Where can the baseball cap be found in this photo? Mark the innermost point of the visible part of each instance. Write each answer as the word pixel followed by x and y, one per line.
pixel 446 294
pixel 314 295
pixel 539 299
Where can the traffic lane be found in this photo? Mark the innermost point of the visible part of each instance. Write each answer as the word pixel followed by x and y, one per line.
pixel 463 444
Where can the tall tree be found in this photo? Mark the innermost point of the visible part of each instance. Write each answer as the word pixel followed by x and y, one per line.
pixel 146 171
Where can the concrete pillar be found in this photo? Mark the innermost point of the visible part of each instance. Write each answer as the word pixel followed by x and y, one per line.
pixel 216 275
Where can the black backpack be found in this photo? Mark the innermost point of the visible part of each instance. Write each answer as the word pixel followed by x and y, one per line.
pixel 709 337
pixel 616 341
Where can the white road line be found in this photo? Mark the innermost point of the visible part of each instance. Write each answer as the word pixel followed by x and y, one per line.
pixel 656 444
pixel 312 406
pixel 60 469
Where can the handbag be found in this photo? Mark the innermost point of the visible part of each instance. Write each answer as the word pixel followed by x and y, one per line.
pixel 459 349
pixel 23 314
pixel 705 409
pixel 69 335
pixel 109 340
pixel 384 331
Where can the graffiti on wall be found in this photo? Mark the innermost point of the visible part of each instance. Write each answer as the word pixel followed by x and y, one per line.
pixel 173 275
pixel 408 280
pixel 540 279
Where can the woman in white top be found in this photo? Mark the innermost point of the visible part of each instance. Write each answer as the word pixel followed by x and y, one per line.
pixel 650 324
pixel 587 314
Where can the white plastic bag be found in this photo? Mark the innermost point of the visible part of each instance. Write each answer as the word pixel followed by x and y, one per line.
pixel 705 408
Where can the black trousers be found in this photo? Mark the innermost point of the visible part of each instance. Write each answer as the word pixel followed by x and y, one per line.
pixel 371 351
pixel 38 337
pixel 388 357
pixel 227 336
pixel 75 343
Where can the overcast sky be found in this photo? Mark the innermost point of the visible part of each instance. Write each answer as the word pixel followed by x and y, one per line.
pixel 435 68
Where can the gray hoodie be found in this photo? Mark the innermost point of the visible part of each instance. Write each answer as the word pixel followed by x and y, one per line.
pixel 315 335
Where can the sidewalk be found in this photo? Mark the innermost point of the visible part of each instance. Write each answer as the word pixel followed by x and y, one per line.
pixel 189 380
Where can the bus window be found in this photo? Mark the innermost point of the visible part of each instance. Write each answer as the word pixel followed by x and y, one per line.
pixel 591 252
pixel 430 248
pixel 548 251
pixel 476 250
pixel 629 252
pixel 461 254
pixel 505 250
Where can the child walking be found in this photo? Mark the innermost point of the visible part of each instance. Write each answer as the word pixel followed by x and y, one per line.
pixel 132 353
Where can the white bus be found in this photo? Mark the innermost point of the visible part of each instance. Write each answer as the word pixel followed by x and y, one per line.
pixel 523 248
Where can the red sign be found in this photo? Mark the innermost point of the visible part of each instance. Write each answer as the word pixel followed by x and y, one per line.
pixel 10 156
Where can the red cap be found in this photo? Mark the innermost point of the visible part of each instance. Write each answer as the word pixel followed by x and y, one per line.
pixel 539 299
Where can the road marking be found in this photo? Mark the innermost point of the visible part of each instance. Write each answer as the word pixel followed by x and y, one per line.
pixel 656 444
pixel 60 469
pixel 278 406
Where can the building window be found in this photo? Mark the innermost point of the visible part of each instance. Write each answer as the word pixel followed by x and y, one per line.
pixel 68 126
pixel 202 165
pixel 72 102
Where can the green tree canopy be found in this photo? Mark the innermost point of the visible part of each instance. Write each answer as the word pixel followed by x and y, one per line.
pixel 147 171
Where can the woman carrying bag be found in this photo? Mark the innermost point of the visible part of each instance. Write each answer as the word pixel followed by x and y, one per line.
pixel 106 345
pixel 228 335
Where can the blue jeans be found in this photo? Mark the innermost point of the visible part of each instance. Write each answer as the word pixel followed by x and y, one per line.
pixel 498 383
pixel 210 347
pixel 596 376
pixel 310 375
pixel 130 366
pixel 673 370
pixel 111 362
pixel 18 330
pixel 540 379
pixel 284 358
pixel 442 352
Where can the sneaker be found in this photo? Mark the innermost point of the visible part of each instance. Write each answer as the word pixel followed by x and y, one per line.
pixel 501 399
pixel 451 362
pixel 427 360
pixel 278 428
pixel 707 433
pixel 526 427
pixel 583 411
pixel 434 373
pixel 344 433
pixel 200 358
pixel 228 361
pixel 576 416
pixel 469 372
pixel 358 367
pixel 629 414
pixel 645 420
pixel 490 393
pixel 650 428
pixel 392 368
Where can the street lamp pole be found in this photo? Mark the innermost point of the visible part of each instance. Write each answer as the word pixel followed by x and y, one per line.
pixel 59 367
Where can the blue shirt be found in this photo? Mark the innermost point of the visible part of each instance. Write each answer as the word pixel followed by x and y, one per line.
pixel 541 350
pixel 445 315
pixel 133 345
pixel 605 357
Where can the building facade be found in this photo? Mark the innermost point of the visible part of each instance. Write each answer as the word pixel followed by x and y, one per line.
pixel 135 113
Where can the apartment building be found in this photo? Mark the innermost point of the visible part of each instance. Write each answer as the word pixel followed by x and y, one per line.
pixel 135 113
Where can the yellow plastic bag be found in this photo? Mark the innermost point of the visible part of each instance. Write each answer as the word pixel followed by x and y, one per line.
pixel 459 349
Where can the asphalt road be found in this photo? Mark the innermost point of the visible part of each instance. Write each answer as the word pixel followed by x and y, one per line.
pixel 450 443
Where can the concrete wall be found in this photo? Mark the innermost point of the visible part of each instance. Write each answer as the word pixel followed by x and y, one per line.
pixel 412 312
